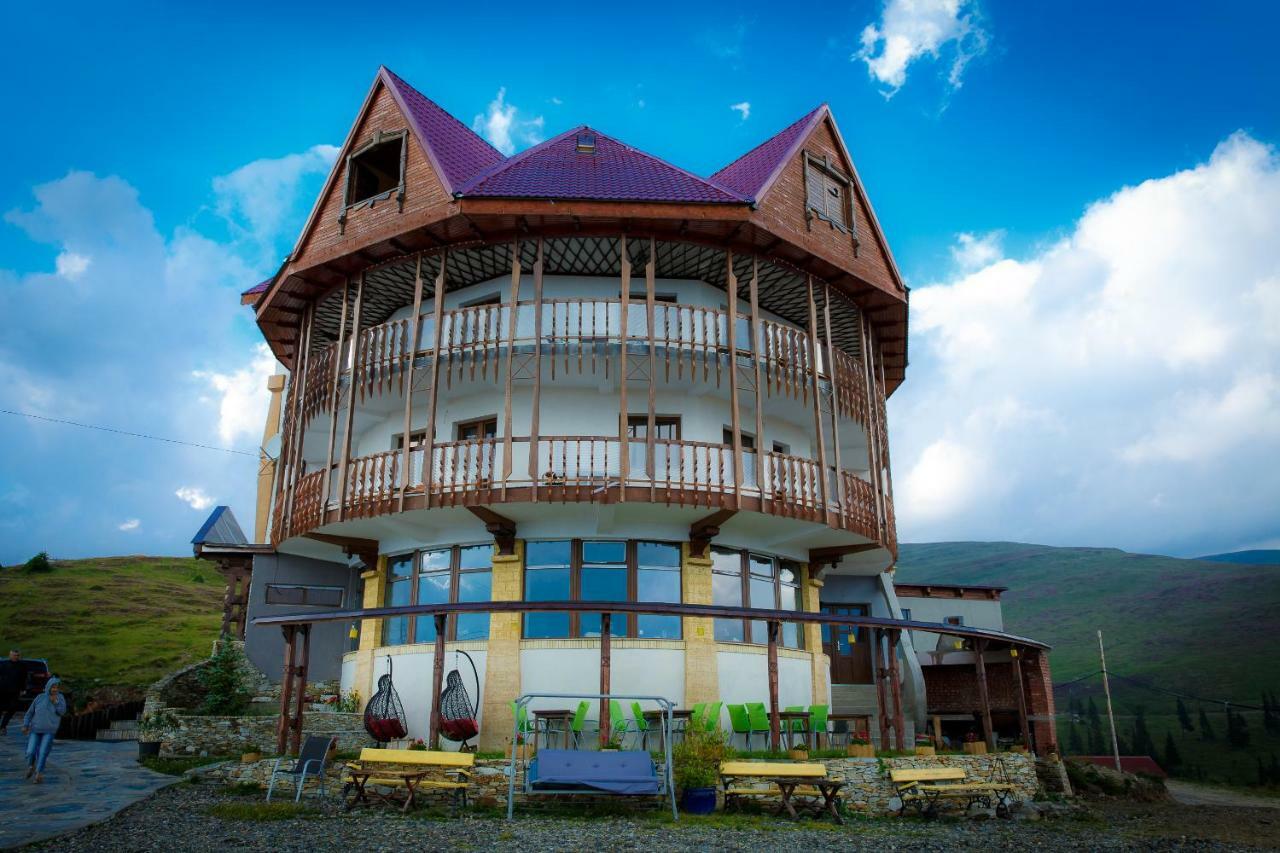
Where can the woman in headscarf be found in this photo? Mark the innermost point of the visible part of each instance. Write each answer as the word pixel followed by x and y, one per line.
pixel 41 724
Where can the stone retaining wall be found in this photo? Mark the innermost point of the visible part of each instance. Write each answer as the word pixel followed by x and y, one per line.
pixel 868 789
pixel 206 735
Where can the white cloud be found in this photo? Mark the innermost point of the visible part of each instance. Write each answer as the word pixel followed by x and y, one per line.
pixel 129 526
pixel 556 101
pixel 910 29
pixel 244 395
pixel 194 497
pixel 973 251
pixel 260 198
pixel 1120 386
pixel 743 108
pixel 70 265
pixel 505 128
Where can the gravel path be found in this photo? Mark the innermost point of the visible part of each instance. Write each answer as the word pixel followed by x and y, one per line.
pixel 1191 794
pixel 178 819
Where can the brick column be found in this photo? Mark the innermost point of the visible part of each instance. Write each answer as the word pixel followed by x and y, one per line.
pixel 1040 707
pixel 375 586
pixel 502 660
pixel 820 666
pixel 701 668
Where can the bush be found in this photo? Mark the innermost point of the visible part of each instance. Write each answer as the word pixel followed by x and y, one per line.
pixel 39 563
pixel 227 690
pixel 697 759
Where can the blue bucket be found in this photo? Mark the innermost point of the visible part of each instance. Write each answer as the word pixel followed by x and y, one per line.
pixel 698 800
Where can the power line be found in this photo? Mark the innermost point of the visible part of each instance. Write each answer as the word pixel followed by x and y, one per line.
pixel 126 432
pixel 1139 683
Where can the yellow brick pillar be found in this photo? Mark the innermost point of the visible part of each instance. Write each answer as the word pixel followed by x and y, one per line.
pixel 701 668
pixel 502 660
pixel 267 465
pixel 375 590
pixel 820 677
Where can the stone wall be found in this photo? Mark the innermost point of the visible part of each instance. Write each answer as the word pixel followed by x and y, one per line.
pixel 203 735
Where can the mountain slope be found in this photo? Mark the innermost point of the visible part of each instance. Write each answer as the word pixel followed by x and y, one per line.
pixel 1208 629
pixel 119 622
pixel 1252 558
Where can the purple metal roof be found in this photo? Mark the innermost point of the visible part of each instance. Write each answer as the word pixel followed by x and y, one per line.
pixel 259 287
pixel 457 152
pixel 752 173
pixel 613 172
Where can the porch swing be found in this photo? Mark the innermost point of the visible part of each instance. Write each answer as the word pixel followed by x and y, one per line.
pixel 384 717
pixel 457 712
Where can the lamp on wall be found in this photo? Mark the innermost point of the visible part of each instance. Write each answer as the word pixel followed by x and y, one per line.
pixel 1013 653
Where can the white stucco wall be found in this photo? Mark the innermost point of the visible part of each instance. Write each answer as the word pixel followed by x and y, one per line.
pixel 412 672
pixel 650 672
pixel 744 677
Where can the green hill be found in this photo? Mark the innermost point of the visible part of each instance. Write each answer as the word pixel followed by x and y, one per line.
pixel 119 622
pixel 1253 558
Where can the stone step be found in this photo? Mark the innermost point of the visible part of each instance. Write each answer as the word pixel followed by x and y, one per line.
pixel 117 734
pixel 124 725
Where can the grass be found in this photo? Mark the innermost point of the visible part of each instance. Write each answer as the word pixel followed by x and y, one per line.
pixel 260 812
pixel 118 622
pixel 176 766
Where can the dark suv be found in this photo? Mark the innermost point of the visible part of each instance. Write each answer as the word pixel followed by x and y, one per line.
pixel 37 674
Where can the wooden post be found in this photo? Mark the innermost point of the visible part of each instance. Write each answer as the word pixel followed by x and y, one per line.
pixel 338 361
pixel 286 690
pixel 437 679
pixel 290 458
pixel 937 731
pixel 775 725
pixel 984 698
pixel 511 345
pixel 606 654
pixel 1023 723
pixel 414 324
pixel 429 434
pixel 835 408
pixel 650 300
pixel 878 675
pixel 895 688
pixel 351 402
pixel 817 404
pixel 735 423
pixel 300 696
pixel 624 453
pixel 873 444
pixel 757 354
pixel 536 401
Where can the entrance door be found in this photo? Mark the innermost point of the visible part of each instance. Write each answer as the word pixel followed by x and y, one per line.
pixel 848 648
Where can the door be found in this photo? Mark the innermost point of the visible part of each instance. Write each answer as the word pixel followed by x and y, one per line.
pixel 849 648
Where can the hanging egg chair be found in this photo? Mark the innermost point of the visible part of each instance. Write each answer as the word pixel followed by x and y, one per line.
pixel 384 717
pixel 457 712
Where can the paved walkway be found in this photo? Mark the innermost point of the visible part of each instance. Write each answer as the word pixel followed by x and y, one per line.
pixel 84 782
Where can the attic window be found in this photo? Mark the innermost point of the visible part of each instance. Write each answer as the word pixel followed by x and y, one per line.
pixel 376 170
pixel 828 195
pixel 586 143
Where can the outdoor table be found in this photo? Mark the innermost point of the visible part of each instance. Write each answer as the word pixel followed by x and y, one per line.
pixel 360 777
pixel 785 718
pixel 545 717
pixel 679 720
pixel 828 788
pixel 832 719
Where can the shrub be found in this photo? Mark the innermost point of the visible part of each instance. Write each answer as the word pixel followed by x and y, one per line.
pixel 697 759
pixel 39 563
pixel 223 679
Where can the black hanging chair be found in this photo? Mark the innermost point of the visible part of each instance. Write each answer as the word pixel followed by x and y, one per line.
pixel 457 713
pixel 384 717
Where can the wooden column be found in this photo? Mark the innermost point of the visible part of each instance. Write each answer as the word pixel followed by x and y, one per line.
pixel 895 688
pixel 651 424
pixel 514 307
pixel 775 725
pixel 757 353
pixel 984 698
pixel 817 404
pixel 606 654
pixel 351 402
pixel 415 323
pixel 290 460
pixel 879 676
pixel 1024 723
pixel 429 435
pixel 536 401
pixel 300 694
pixel 624 452
pixel 338 361
pixel 735 422
pixel 437 679
pixel 835 408
pixel 873 431
pixel 286 690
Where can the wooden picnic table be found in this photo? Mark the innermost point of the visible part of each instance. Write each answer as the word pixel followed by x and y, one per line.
pixel 679 722
pixel 360 776
pixel 785 718
pixel 828 789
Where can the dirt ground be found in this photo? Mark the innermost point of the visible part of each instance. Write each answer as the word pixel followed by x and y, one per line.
pixel 1184 823
pixel 1191 794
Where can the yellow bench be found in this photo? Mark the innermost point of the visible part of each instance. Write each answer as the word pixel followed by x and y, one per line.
pixel 924 787
pixel 733 773
pixel 409 769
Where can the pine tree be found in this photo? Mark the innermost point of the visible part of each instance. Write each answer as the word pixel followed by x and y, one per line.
pixel 1262 772
pixel 1206 730
pixel 227 690
pixel 1172 759
pixel 1184 717
pixel 1141 741
pixel 1274 772
pixel 1237 730
pixel 1074 747
pixel 1093 713
pixel 1270 713
pixel 1096 746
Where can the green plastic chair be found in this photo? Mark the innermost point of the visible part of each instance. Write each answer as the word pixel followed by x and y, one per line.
pixel 740 721
pixel 521 714
pixel 579 720
pixel 794 726
pixel 711 716
pixel 642 725
pixel 618 722
pixel 695 719
pixel 758 719
pixel 818 723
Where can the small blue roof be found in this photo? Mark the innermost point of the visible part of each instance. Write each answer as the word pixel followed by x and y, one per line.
pixel 220 528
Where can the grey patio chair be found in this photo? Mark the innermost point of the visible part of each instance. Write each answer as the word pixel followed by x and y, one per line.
pixel 311 761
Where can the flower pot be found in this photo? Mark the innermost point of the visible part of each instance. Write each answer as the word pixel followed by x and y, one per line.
pixel 798 754
pixel 698 800
pixel 926 750
pixel 860 750
pixel 148 748
pixel 975 747
pixel 250 757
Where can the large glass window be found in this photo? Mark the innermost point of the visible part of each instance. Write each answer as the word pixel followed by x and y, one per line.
pixel 744 579
pixel 726 590
pixel 441 576
pixel 602 570
pixel 399 593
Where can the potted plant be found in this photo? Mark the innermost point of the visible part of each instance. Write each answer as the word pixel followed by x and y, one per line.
pixel 151 731
pixel 697 769
pixel 924 745
pixel 614 744
pixel 418 745
pixel 1018 746
pixel 799 751
pixel 860 746
pixel 521 748
pixel 249 752
pixel 973 746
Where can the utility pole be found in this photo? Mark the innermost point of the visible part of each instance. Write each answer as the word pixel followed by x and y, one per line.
pixel 1106 688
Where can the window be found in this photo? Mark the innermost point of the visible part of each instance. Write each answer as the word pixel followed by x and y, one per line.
pixel 491 299
pixel 453 575
pixel 906 614
pixel 316 596
pixel 748 440
pixel 601 570
pixel 476 429
pixel 642 296
pixel 744 579
pixel 376 170
pixel 782 447
pixel 953 620
pixel 827 193
pixel 664 427
pixel 418 438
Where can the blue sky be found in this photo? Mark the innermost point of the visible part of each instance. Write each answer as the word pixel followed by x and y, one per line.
pixel 167 156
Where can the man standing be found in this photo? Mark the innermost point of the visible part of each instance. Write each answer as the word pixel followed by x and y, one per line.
pixel 13 677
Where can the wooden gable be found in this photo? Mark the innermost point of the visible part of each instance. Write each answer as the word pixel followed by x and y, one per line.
pixel 326 234
pixel 817 202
